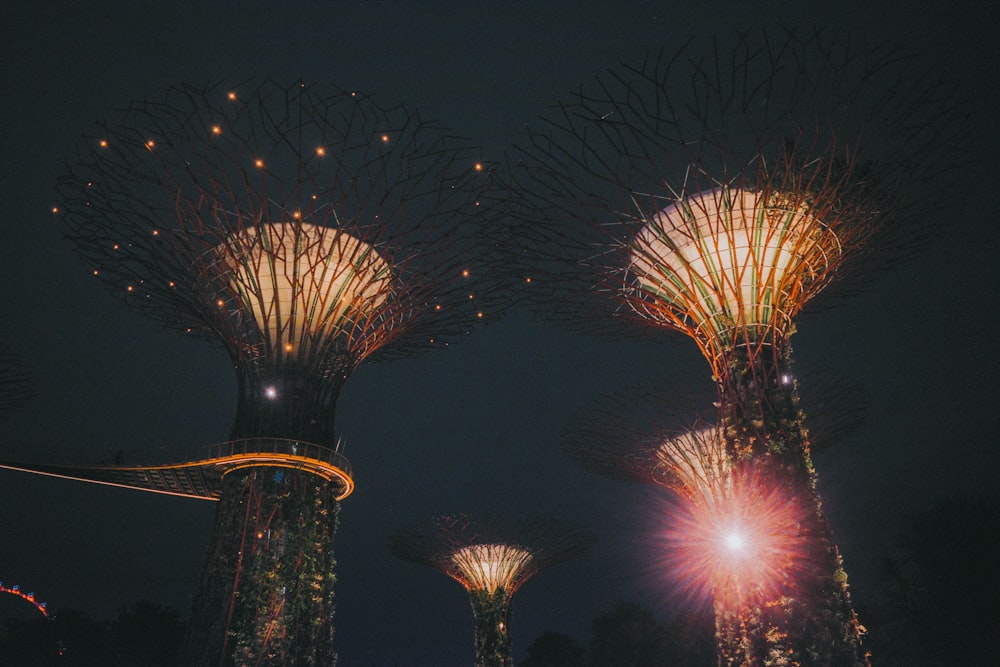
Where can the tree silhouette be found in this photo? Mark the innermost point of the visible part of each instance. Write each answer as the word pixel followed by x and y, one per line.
pixel 147 634
pixel 142 634
pixel 628 636
pixel 67 638
pixel 934 602
pixel 554 649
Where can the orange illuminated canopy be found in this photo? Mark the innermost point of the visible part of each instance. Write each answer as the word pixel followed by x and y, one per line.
pixel 695 464
pixel 305 284
pixel 727 260
pixel 488 567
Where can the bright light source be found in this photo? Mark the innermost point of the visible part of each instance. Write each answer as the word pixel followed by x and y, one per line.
pixel 271 392
pixel 743 529
pixel 283 271
pixel 734 541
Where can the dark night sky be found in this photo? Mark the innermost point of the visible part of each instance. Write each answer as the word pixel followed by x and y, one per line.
pixel 473 428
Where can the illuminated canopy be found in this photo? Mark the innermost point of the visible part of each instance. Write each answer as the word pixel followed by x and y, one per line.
pixel 304 284
pixel 490 567
pixel 729 259
pixel 695 465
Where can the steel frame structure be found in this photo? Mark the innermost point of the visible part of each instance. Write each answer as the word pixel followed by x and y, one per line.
pixel 307 229
pixel 715 192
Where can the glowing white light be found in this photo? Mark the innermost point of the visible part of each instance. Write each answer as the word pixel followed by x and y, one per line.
pixel 491 566
pixel 271 392
pixel 734 542
pixel 305 284
pixel 727 258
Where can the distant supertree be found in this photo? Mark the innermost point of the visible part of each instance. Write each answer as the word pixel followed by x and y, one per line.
pixel 307 229
pixel 491 559
pixel 732 535
pixel 715 194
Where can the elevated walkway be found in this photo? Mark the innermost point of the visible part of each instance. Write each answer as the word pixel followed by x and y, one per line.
pixel 201 476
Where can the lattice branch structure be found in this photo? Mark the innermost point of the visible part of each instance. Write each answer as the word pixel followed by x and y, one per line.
pixel 307 229
pixel 17 385
pixel 491 558
pixel 652 434
pixel 716 192
pixel 732 536
pixel 718 189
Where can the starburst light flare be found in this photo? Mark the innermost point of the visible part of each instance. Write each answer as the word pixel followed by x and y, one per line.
pixel 715 191
pixel 738 540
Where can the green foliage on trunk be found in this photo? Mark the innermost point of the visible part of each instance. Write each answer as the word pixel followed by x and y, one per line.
pixel 492 614
pixel 267 592
pixel 810 621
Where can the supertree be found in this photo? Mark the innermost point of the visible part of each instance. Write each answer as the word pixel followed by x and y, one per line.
pixel 715 194
pixel 732 536
pixel 307 229
pixel 491 558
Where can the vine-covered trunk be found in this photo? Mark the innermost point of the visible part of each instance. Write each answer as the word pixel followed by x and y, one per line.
pixel 492 614
pixel 806 616
pixel 266 595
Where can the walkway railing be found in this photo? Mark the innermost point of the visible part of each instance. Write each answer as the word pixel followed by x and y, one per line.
pixel 199 475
